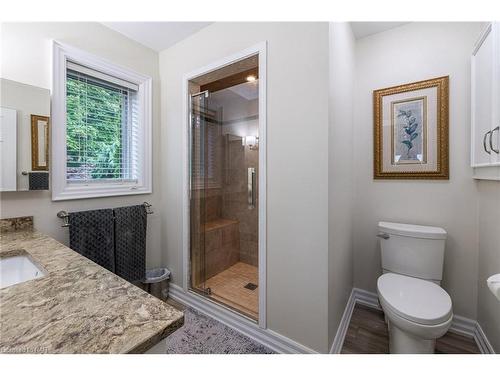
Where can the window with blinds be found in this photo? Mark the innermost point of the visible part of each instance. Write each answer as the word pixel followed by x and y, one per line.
pixel 101 127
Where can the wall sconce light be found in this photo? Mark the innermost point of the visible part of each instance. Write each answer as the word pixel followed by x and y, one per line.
pixel 251 141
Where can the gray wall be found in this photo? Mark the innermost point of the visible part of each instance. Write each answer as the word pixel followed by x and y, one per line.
pixel 406 54
pixel 489 259
pixel 340 172
pixel 297 164
pixel 29 61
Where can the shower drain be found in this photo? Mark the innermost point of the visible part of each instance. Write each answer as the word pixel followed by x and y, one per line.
pixel 251 286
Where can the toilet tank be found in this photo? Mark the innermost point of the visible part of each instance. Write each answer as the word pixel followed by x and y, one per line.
pixel 412 250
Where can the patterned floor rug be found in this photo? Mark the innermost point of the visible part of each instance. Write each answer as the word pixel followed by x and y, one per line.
pixel 204 335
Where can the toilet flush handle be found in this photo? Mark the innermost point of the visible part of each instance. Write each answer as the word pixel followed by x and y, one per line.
pixel 385 236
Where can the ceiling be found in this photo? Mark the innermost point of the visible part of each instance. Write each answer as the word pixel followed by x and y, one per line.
pixel 362 29
pixel 157 35
pixel 162 35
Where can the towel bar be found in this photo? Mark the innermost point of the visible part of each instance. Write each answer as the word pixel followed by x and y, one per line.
pixel 65 216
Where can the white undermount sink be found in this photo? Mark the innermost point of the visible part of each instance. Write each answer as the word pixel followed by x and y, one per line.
pixel 17 269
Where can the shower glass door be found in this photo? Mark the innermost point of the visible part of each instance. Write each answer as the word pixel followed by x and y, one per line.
pixel 198 185
pixel 224 191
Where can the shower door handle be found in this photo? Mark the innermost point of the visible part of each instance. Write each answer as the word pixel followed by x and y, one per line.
pixel 495 150
pixel 484 142
pixel 251 187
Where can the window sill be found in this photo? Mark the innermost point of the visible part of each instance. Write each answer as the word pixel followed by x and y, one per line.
pixel 98 191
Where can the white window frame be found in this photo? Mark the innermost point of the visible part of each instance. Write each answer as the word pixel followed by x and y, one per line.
pixel 61 190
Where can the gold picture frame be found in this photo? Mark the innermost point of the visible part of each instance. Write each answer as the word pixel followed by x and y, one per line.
pixel 39 143
pixel 411 142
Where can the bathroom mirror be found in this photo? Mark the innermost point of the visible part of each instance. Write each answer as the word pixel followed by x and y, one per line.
pixel 24 136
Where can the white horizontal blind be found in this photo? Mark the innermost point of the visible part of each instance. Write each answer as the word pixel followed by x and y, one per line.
pixel 101 128
pixel 101 76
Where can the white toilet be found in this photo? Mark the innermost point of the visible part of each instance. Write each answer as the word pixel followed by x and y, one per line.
pixel 417 309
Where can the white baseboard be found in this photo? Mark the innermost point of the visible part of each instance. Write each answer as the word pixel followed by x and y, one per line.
pixel 463 326
pixel 482 341
pixel 471 328
pixel 366 298
pixel 245 326
pixel 460 325
pixel 362 297
pixel 338 341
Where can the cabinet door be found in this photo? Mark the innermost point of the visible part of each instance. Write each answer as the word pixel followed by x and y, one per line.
pixel 494 141
pixel 8 149
pixel 482 98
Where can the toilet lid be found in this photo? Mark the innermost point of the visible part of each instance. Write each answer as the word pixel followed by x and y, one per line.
pixel 414 299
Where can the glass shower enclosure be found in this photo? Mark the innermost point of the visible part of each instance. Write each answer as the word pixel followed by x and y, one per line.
pixel 223 191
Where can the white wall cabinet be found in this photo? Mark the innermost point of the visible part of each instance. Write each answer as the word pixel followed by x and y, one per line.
pixel 8 149
pixel 485 106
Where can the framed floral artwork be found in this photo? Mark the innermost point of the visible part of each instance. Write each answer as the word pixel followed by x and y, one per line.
pixel 411 131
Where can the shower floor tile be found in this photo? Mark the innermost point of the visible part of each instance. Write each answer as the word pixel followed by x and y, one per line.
pixel 228 287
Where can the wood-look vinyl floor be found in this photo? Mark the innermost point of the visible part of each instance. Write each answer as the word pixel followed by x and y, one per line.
pixel 228 287
pixel 367 334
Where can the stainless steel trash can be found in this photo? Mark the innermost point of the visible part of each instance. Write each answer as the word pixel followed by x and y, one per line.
pixel 157 282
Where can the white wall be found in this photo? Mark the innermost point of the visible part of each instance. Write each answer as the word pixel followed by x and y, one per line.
pixel 297 165
pixel 316 154
pixel 29 61
pixel 401 55
pixel 489 259
pixel 340 172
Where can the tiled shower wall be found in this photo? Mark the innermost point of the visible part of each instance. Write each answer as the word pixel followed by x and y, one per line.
pixel 229 228
pixel 235 199
pixel 230 233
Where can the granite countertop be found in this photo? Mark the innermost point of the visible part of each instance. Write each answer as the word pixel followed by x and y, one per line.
pixel 78 307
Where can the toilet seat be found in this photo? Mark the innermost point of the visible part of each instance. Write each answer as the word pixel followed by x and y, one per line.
pixel 413 299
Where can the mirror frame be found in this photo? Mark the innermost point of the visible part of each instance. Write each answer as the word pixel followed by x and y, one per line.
pixel 35 146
